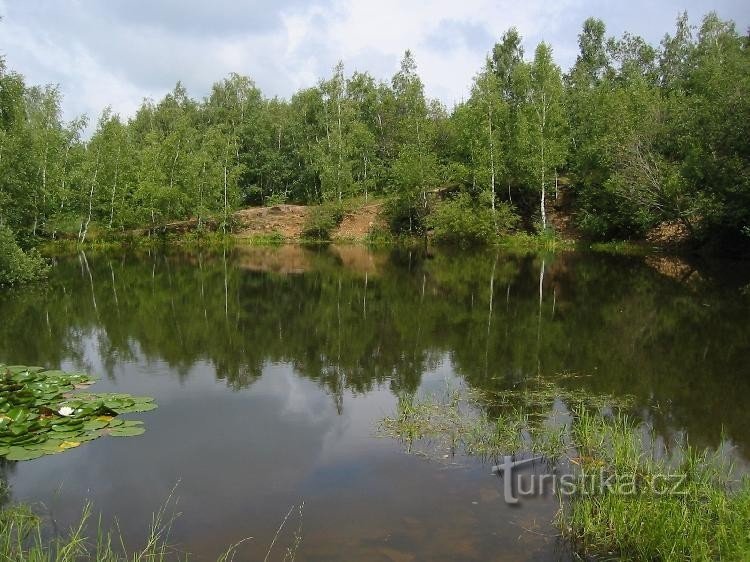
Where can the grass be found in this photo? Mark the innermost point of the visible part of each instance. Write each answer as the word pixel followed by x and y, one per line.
pixel 274 238
pixel 322 220
pixel 620 247
pixel 705 515
pixel 521 241
pixel 482 424
pixel 665 500
pixel 24 538
pixel 187 240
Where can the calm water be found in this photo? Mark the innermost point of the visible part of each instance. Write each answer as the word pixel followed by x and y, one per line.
pixel 273 366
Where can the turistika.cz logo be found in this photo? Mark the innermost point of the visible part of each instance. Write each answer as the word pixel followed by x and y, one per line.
pixel 586 482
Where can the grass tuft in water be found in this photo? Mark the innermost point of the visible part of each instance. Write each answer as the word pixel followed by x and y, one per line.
pixel 24 537
pixel 684 505
pixel 663 501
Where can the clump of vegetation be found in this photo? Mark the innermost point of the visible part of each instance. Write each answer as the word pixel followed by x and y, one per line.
pixel 379 236
pixel 684 506
pixel 275 199
pixel 464 222
pixel 544 242
pixel 322 220
pixel 274 238
pixel 458 421
pixel 620 247
pixel 675 506
pixel 41 415
pixel 23 538
pixel 17 266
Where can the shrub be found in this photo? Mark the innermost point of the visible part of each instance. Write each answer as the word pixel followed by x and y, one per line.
pixel 405 215
pixel 464 222
pixel 322 220
pixel 274 199
pixel 17 266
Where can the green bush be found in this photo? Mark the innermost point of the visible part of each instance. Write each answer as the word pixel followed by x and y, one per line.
pixel 464 222
pixel 405 215
pixel 274 199
pixel 322 220
pixel 17 266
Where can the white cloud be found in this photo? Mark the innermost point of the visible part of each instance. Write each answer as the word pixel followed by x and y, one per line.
pixel 119 51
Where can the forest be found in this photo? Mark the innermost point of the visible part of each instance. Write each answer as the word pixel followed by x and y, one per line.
pixel 637 135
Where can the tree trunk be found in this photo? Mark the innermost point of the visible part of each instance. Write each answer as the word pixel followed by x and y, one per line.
pixel 341 146
pixel 91 201
pixel 114 189
pixel 492 170
pixel 542 205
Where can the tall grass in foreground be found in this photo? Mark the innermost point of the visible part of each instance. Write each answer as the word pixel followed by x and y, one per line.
pixel 665 501
pixel 23 539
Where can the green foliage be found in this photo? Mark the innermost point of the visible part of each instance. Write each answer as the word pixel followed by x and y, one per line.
pixel 322 220
pixel 464 222
pixel 646 134
pixel 26 536
pixel 705 519
pixel 39 415
pixel 17 266
pixel 274 238
pixel 275 199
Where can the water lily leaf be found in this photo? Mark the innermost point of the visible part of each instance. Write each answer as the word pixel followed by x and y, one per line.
pixel 126 431
pixel 51 445
pixel 138 408
pixel 40 413
pixel 95 424
pixel 89 436
pixel 15 369
pixel 22 454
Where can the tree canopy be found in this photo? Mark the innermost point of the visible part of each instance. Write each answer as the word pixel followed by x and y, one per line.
pixel 641 135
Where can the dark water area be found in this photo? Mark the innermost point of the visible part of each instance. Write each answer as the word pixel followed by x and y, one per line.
pixel 272 367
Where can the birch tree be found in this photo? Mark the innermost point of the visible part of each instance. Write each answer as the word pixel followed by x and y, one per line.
pixel 545 123
pixel 491 112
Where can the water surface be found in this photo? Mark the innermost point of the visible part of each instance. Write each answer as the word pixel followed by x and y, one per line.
pixel 272 367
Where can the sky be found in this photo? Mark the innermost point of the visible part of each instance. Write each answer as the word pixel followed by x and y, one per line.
pixel 118 52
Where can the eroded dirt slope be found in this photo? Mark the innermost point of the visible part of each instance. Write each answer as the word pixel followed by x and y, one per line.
pixel 289 220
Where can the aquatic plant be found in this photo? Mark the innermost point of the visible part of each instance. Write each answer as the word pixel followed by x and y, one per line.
pixel 661 502
pixel 685 505
pixel 40 413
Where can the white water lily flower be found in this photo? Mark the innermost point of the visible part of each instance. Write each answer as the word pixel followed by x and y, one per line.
pixel 66 411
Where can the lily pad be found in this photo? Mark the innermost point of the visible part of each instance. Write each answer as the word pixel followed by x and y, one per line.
pixel 40 413
pixel 23 454
pixel 126 431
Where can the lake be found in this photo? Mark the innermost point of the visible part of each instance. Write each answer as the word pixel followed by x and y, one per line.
pixel 273 366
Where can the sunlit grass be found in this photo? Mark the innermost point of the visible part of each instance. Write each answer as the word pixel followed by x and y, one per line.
pixel 704 514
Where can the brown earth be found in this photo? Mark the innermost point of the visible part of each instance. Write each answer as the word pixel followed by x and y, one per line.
pixel 285 258
pixel 289 220
pixel 559 214
pixel 295 258
pixel 358 223
pixel 668 234
pixel 674 267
